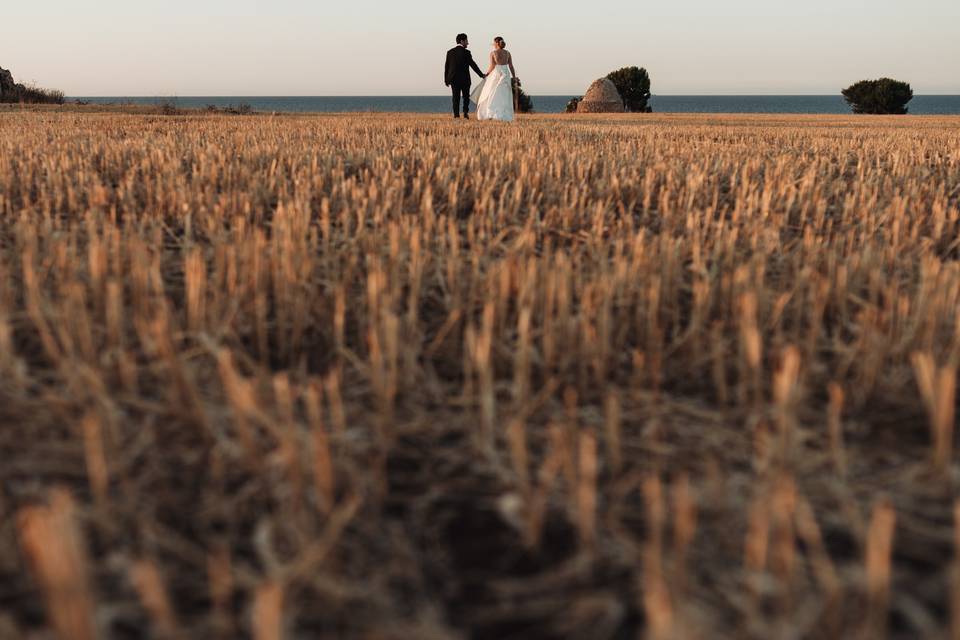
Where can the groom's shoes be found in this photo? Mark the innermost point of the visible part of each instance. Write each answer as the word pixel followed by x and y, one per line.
pixel 466 116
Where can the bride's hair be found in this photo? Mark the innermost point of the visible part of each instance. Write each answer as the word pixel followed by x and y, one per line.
pixel 500 42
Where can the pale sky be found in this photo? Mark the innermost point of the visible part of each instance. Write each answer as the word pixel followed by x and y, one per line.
pixel 384 47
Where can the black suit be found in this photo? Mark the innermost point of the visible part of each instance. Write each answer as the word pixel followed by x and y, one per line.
pixel 456 75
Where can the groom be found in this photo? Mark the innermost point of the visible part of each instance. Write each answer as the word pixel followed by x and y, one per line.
pixel 456 74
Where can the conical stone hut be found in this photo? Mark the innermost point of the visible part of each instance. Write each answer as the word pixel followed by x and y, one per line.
pixel 601 97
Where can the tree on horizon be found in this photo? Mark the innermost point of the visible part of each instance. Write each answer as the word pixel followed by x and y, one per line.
pixel 524 101
pixel 885 96
pixel 633 83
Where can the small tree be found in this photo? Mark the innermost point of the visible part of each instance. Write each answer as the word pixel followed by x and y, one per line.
pixel 573 104
pixel 633 83
pixel 524 102
pixel 883 96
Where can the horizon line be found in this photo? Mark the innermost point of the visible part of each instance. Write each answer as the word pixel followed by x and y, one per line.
pixel 444 95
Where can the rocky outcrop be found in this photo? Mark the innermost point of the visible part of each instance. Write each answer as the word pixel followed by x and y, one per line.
pixel 7 86
pixel 601 97
pixel 11 91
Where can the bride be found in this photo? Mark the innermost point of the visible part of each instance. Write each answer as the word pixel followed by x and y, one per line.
pixel 494 96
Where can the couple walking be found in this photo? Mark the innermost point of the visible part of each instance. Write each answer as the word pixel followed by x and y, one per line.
pixel 494 94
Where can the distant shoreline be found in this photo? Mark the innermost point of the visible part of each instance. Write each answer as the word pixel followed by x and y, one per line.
pixel 928 104
pixel 444 96
pixel 720 118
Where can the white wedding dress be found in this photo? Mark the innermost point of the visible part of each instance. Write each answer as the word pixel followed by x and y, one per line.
pixel 494 95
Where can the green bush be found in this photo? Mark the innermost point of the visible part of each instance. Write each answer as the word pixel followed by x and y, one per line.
pixel 168 107
pixel 573 104
pixel 523 101
pixel 883 96
pixel 633 83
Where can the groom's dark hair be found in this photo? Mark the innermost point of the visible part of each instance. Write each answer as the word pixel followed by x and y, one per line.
pixel 461 38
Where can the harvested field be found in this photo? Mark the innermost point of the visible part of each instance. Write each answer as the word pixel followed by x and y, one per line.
pixel 377 376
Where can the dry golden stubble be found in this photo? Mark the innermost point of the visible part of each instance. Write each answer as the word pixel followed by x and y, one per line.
pixel 254 321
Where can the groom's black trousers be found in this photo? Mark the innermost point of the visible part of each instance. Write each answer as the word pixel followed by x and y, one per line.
pixel 460 94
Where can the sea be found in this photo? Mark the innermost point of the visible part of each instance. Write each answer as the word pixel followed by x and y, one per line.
pixel 832 104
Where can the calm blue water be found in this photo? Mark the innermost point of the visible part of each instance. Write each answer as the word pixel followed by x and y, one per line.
pixel 920 105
